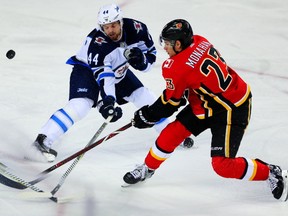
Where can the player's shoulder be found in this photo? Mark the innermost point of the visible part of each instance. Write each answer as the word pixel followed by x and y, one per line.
pixel 176 63
pixel 134 25
pixel 199 37
pixel 168 64
pixel 179 60
pixel 98 39
pixel 92 33
pixel 131 22
pixel 200 41
pixel 96 33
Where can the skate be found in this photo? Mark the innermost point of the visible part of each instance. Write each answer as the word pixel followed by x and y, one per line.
pixel 38 151
pixel 278 182
pixel 140 173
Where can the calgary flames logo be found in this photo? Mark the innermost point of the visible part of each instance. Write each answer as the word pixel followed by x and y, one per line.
pixel 178 25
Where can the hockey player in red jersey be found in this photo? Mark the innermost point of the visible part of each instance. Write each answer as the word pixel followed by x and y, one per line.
pixel 219 99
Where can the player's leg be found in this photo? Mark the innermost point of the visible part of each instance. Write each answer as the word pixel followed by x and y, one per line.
pixel 227 131
pixel 253 170
pixel 83 95
pixel 63 119
pixel 169 138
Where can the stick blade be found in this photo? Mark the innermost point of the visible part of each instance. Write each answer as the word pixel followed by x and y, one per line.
pixel 44 196
pixel 34 195
pixel 5 180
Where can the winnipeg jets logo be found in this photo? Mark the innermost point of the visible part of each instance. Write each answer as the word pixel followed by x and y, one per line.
pixel 100 40
pixel 168 63
pixel 137 26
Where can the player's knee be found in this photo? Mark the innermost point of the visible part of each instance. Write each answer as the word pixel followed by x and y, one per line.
pixel 78 108
pixel 172 135
pixel 222 166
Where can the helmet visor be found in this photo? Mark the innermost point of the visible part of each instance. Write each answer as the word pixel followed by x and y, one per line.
pixel 165 42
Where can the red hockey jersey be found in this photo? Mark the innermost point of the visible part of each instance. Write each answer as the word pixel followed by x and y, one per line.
pixel 213 86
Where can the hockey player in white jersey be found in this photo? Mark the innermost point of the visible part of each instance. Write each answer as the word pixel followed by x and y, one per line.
pixel 102 66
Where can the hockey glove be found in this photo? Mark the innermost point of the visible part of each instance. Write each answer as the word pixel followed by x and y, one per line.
pixel 142 119
pixel 106 108
pixel 136 58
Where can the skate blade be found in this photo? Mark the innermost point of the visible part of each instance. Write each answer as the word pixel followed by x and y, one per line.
pixel 126 185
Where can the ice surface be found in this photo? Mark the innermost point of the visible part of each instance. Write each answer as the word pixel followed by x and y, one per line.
pixel 250 34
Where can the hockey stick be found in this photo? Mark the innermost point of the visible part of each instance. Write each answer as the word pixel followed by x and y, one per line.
pixel 10 176
pixel 75 162
pixel 37 192
pixel 43 175
pixel 7 182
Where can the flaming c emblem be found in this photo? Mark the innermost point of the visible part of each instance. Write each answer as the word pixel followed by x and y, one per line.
pixel 178 25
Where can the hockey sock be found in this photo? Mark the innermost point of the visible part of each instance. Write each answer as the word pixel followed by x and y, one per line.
pixel 168 140
pixel 64 118
pixel 240 168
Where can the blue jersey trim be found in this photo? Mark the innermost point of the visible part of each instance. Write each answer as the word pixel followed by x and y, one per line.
pixel 103 75
pixel 74 61
pixel 161 120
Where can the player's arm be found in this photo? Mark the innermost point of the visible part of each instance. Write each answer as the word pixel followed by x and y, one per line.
pixel 143 56
pixel 151 52
pixel 106 106
pixel 103 73
pixel 105 79
pixel 147 116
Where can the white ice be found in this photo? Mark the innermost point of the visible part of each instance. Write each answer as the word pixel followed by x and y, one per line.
pixel 252 36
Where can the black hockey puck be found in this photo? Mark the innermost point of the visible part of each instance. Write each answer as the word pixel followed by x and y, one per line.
pixel 10 54
pixel 188 142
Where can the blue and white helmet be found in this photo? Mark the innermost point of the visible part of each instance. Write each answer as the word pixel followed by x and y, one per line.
pixel 109 14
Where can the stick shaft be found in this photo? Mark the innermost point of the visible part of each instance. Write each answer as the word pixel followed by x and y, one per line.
pixel 43 175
